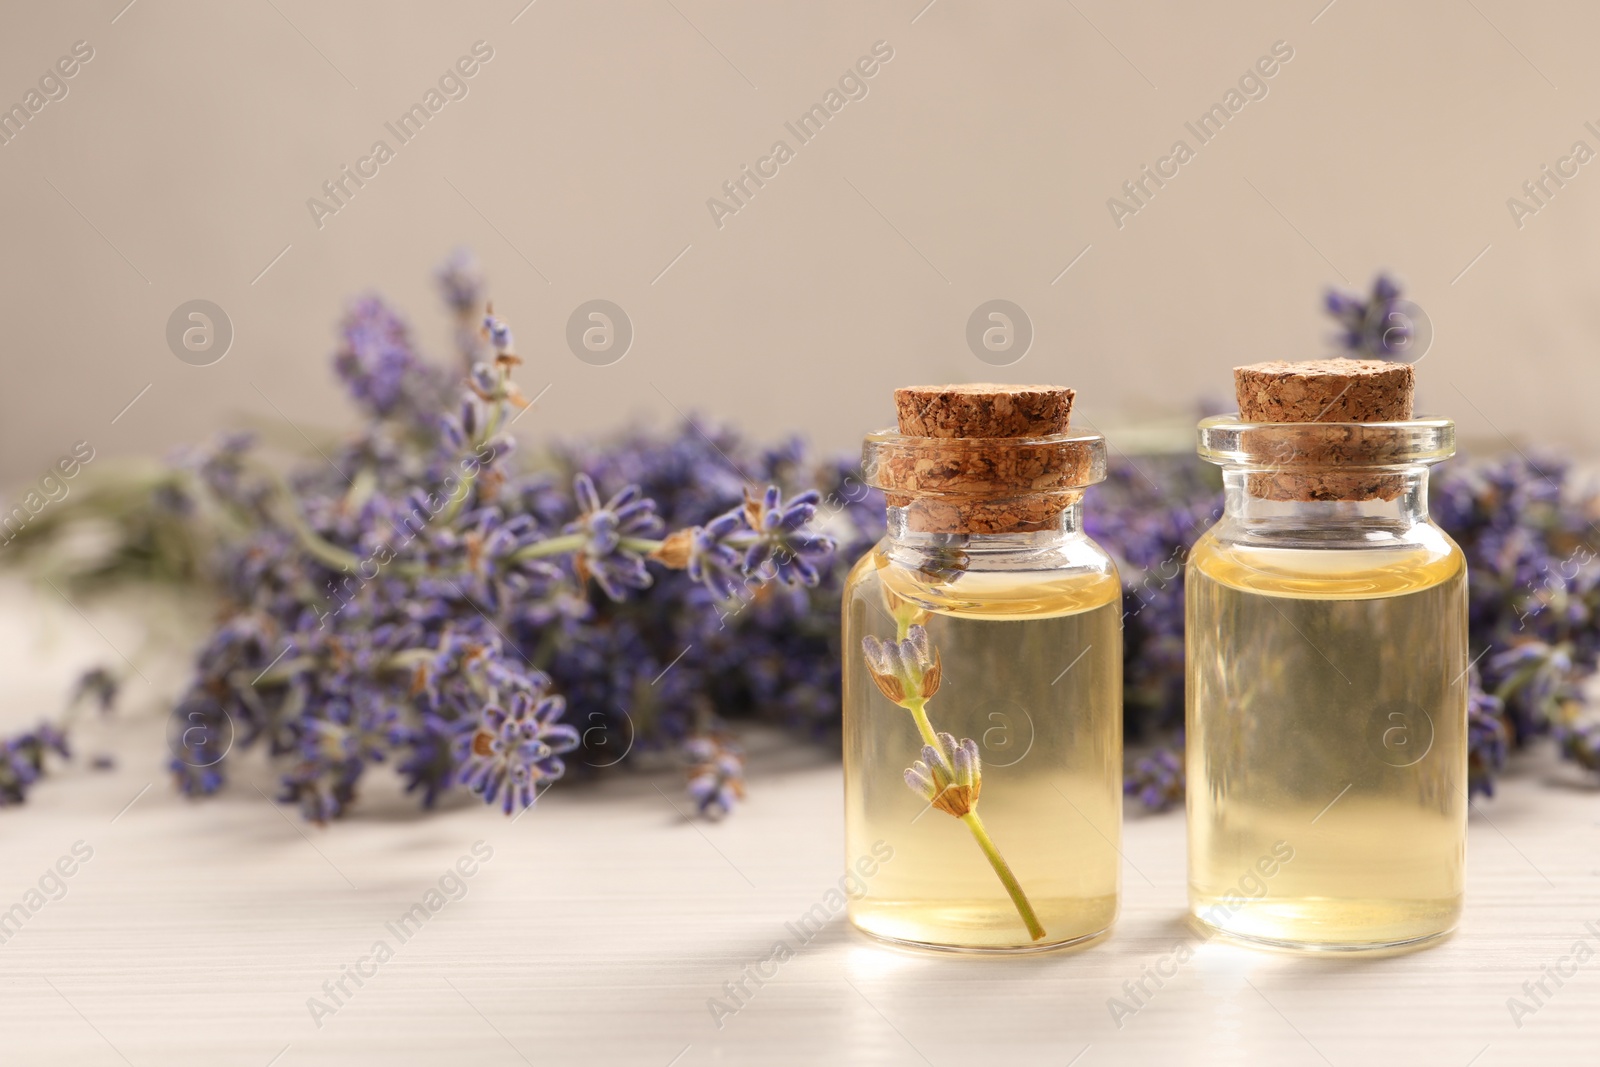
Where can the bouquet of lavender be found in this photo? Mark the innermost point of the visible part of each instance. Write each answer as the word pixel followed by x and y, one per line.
pixel 414 598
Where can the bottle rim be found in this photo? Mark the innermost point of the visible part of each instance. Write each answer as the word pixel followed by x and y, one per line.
pixel 1230 441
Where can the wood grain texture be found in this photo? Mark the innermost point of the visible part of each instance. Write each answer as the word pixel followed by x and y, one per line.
pixel 604 922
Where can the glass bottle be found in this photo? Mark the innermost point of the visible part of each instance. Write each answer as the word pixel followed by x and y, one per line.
pixel 1327 688
pixel 983 653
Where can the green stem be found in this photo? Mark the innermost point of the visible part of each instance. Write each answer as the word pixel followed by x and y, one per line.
pixel 550 546
pixel 642 545
pixel 919 715
pixel 399 661
pixel 285 670
pixel 560 546
pixel 310 540
pixel 453 508
pixel 1007 879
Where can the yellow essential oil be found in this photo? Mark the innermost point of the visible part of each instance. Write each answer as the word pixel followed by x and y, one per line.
pixel 982 673
pixel 1326 713
pixel 1032 670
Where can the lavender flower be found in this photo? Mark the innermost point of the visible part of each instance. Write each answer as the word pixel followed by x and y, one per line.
pixel 498 333
pixel 948 777
pixel 782 537
pixel 380 366
pixel 607 529
pixel 428 762
pixel 203 739
pixel 906 671
pixel 711 561
pixel 513 750
pixel 22 760
pixel 1148 516
pixel 716 776
pixel 332 752
pixel 462 284
pixel 1157 780
pixel 1374 328
pixel 1487 740
pixel 461 281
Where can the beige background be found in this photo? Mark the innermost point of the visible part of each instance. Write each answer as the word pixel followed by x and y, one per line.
pixel 978 166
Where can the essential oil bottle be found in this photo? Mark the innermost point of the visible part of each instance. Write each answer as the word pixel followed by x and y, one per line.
pixel 983 679
pixel 1327 668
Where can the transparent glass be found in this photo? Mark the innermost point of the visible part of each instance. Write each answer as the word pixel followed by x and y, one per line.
pixel 1327 690
pixel 1025 629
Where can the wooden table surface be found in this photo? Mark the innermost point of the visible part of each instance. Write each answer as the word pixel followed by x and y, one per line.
pixel 597 928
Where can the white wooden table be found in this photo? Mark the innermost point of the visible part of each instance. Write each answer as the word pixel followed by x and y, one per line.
pixel 604 922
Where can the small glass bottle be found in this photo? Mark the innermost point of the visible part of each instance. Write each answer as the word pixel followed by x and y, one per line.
pixel 983 653
pixel 1327 668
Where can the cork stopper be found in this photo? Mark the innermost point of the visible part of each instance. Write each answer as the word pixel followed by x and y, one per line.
pixel 983 409
pixel 1340 391
pixel 1325 390
pixel 984 458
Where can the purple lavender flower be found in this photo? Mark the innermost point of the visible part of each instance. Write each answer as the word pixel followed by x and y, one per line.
pixel 905 671
pixel 949 777
pixel 1374 328
pixel 605 528
pixel 1148 516
pixel 200 743
pixel 783 538
pixel 1535 680
pixel 1157 780
pixel 379 365
pixel 712 561
pixel 18 770
pixel 498 333
pixel 22 760
pixel 333 746
pixel 428 765
pixel 461 280
pixel 515 749
pixel 716 777
pixel 1488 741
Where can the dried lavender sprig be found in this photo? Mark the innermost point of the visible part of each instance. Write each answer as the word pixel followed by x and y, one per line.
pixel 949 775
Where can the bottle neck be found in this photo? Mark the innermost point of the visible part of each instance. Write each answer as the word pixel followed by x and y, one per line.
pixel 1403 504
pixel 982 551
